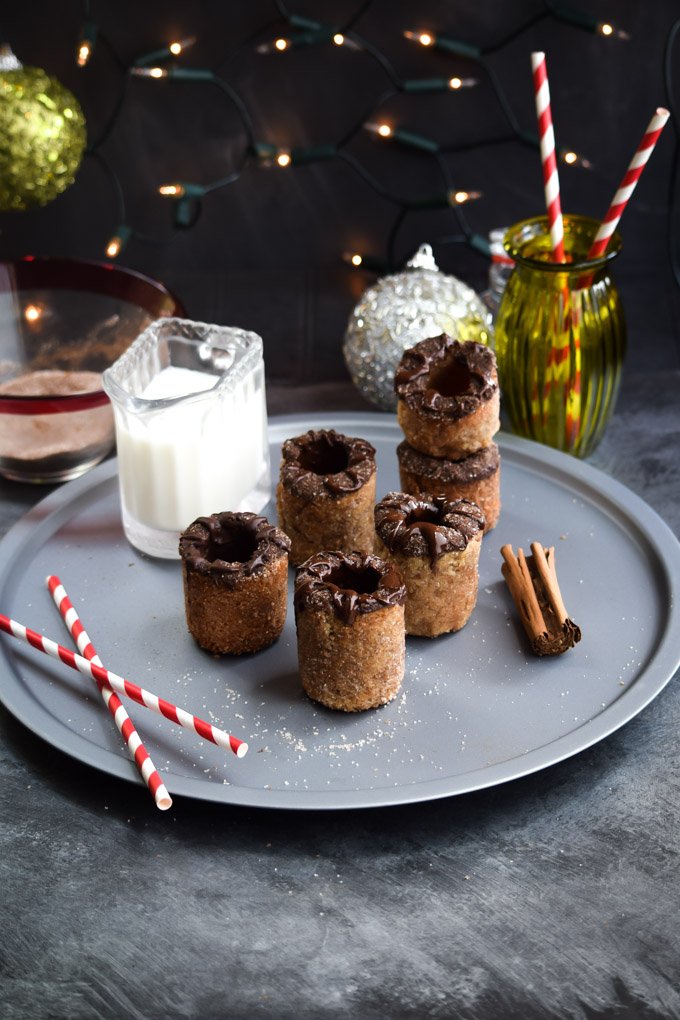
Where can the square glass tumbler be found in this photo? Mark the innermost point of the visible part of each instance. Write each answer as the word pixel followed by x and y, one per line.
pixel 191 429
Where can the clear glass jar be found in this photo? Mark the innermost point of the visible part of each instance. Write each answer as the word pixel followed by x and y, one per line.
pixel 191 429
pixel 560 336
pixel 500 268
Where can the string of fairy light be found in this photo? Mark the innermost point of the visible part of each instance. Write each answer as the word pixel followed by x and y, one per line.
pixel 294 32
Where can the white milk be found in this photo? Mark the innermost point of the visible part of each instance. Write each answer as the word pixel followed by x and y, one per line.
pixel 178 382
pixel 198 457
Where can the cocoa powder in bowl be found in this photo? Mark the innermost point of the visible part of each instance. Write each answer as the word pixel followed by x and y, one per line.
pixel 55 446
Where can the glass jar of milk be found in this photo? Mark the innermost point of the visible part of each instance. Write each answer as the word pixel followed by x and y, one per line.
pixel 191 429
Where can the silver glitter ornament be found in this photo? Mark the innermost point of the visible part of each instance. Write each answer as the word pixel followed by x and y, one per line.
pixel 400 310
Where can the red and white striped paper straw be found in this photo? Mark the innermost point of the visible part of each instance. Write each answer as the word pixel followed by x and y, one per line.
pixel 551 181
pixel 627 185
pixel 126 728
pixel 122 686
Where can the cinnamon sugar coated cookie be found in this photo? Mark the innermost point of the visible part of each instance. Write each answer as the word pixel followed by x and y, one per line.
pixel 476 477
pixel 435 544
pixel 349 614
pixel 448 397
pixel 235 575
pixel 326 493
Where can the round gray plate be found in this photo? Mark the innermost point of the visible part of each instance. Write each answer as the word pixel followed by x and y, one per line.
pixel 475 709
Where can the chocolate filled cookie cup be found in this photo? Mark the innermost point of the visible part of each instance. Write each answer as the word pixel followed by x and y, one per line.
pixel 349 614
pixel 435 544
pixel 326 493
pixel 476 477
pixel 448 399
pixel 235 575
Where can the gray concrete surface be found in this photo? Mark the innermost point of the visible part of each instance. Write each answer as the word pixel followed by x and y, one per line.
pixel 554 896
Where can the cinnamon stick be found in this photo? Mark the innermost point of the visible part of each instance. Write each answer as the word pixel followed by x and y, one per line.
pixel 532 581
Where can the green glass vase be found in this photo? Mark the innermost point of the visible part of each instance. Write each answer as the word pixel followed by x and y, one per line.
pixel 560 336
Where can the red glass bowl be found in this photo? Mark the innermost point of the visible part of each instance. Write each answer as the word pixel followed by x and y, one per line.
pixel 62 322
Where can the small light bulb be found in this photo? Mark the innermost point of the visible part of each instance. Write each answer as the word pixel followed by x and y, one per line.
pixel 173 190
pixel 352 258
pixel 86 43
pixel 277 45
pixel 283 158
pixel 461 83
pixel 118 241
pixel 608 30
pixel 424 38
pixel 32 313
pixel 180 45
pixel 149 72
pixel 573 159
pixel 460 197
pixel 338 38
pixel 384 130
pixel 84 53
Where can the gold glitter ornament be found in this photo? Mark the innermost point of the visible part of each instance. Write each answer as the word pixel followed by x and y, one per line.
pixel 401 310
pixel 42 135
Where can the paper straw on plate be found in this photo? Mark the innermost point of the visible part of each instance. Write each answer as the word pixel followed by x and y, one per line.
pixel 122 686
pixel 551 182
pixel 126 728
pixel 627 185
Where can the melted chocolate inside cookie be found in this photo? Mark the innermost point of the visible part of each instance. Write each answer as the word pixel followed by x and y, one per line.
pixel 451 380
pixel 422 515
pixel 349 583
pixel 231 544
pixel 235 546
pixel 325 455
pixel 426 525
pixel 446 378
pixel 362 580
pixel 326 463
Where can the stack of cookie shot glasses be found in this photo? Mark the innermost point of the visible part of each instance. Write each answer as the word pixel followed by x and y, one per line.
pixel 448 403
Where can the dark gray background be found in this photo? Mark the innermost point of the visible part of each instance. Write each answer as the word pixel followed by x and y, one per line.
pixel 266 252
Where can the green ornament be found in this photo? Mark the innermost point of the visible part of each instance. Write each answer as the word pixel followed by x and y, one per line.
pixel 42 135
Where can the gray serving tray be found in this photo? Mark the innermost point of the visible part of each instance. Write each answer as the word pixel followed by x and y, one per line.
pixel 476 709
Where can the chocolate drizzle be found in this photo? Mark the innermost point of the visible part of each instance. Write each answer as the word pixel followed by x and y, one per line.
pixel 231 545
pixel 348 583
pixel 326 463
pixel 446 378
pixel 426 525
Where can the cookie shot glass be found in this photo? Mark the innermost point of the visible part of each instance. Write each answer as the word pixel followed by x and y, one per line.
pixel 435 544
pixel 448 398
pixel 349 614
pixel 326 493
pixel 235 577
